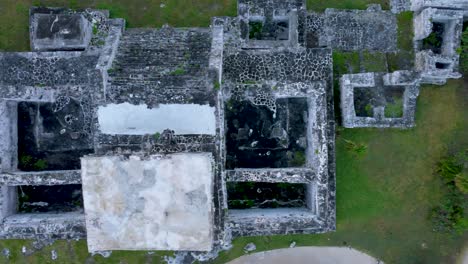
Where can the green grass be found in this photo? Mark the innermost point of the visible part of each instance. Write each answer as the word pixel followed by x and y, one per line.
pixel 374 61
pixel 321 5
pixel 395 109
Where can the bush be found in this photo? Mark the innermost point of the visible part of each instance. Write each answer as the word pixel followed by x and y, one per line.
pixel 464 52
pixel 449 215
pixel 357 148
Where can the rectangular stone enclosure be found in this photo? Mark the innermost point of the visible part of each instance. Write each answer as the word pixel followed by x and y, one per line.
pixel 150 203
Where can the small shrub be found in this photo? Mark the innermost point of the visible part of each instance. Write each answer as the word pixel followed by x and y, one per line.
pixel 369 110
pixel 217 86
pixel 95 30
pixel 298 159
pixel 26 161
pixel 255 30
pixel 156 136
pixel 178 71
pixel 40 164
pixel 461 182
pixel 464 52
pixel 357 148
pixel 449 216
pixel 395 109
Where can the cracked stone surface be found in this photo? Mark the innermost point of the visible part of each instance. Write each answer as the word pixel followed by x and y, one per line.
pixel 149 203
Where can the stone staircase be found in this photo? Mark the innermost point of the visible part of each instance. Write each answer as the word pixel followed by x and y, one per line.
pixel 161 66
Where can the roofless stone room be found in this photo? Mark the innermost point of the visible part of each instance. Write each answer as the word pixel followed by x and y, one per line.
pixel 182 142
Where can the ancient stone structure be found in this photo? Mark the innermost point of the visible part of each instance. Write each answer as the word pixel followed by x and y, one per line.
pixel 244 106
pixel 438 25
pixel 379 99
pixel 437 38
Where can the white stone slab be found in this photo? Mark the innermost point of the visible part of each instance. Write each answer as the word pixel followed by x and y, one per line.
pixel 154 203
pixel 128 119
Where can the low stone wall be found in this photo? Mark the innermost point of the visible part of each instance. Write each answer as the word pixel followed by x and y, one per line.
pixel 18 178
pixel 410 82
pixel 44 226
pixel 289 175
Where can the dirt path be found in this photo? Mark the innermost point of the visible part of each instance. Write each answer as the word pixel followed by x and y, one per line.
pixel 309 255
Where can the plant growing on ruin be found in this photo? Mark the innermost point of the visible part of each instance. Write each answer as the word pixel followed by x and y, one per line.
pixel 355 147
pixel 255 30
pixel 369 110
pixel 26 161
pixel 217 86
pixel 156 136
pixel 395 109
pixel 464 52
pixel 40 164
pixel 178 71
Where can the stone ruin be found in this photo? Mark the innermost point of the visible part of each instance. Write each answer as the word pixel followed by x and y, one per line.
pixel 379 99
pixel 438 25
pixel 245 105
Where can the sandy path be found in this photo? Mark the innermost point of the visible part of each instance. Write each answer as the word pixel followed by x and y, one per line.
pixel 312 255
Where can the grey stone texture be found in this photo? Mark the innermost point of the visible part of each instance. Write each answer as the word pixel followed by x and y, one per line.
pixel 436 68
pixel 111 65
pixel 52 32
pixel 377 84
pixel 351 30
pixel 19 178
pixel 69 80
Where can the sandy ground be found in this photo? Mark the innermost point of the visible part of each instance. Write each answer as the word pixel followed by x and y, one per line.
pixel 309 255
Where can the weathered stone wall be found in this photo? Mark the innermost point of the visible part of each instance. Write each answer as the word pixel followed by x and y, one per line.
pixel 285 66
pixel 427 61
pixel 44 226
pixel 352 30
pixel 290 175
pixel 408 80
pixel 18 178
pixel 275 221
pixel 9 135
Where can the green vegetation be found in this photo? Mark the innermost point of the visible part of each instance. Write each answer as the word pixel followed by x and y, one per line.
pixel 449 216
pixel 383 198
pixel 156 136
pixel 369 110
pixel 405 30
pixel 404 58
pixel 178 71
pixel 217 86
pixel 354 147
pixel 464 52
pixel 30 163
pixel 298 159
pixel 345 62
pixel 95 30
pixel 255 30
pixel 395 109
pixel 321 5
pixel 40 165
pixel 374 61
pixel 250 82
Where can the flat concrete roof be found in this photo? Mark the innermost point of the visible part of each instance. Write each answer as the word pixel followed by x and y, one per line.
pixel 150 203
pixel 128 119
